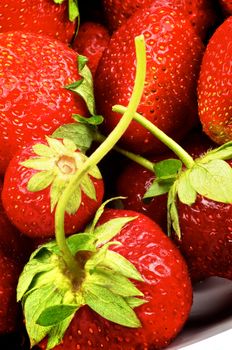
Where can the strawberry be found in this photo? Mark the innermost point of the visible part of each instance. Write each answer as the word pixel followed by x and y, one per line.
pixel 214 87
pixel 91 40
pixel 9 310
pixel 34 181
pixel 141 179
pixel 33 101
pixel 161 295
pixel 173 57
pixel 226 6
pixel 200 12
pixel 38 16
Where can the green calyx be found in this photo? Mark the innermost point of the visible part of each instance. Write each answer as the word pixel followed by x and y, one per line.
pixel 56 164
pixel 210 176
pixel 73 9
pixel 51 296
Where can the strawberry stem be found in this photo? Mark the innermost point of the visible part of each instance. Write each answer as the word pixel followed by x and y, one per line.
pixel 160 135
pixel 144 162
pixel 100 152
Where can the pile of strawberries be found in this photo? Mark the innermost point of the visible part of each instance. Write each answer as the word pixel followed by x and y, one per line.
pixel 123 278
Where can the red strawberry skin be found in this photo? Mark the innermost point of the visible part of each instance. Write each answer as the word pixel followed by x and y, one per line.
pixel 33 100
pixel 30 211
pixel 173 57
pixel 200 12
pixel 206 238
pixel 167 289
pixel 37 16
pixel 214 88
pixel 91 41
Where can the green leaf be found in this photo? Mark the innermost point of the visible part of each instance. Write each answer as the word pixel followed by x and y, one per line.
pixel 99 213
pixel 173 218
pixel 157 188
pixel 81 242
pixel 213 180
pixel 117 283
pixel 223 152
pixel 186 192
pixel 121 265
pixel 167 168
pixel 88 187
pixel 43 150
pixel 39 163
pixel 82 135
pixel 84 88
pixel 110 306
pixel 135 302
pixel 74 201
pixel 93 120
pixel 111 228
pixel 55 314
pixel 40 181
pixel 73 10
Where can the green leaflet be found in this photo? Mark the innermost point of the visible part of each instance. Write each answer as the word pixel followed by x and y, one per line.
pixel 81 134
pixel 110 229
pixel 40 181
pixel 213 180
pixel 55 314
pixel 110 306
pixel 84 87
pixel 117 283
pixel 186 192
pixel 94 120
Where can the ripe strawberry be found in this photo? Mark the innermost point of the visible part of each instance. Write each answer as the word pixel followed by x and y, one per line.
pixel 37 16
pixel 34 181
pixel 134 181
pixel 200 12
pixel 91 40
pixel 9 309
pixel 33 100
pixel 173 57
pixel 227 6
pixel 214 88
pixel 166 288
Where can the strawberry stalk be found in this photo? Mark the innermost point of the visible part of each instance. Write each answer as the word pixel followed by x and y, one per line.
pixel 161 136
pixel 98 155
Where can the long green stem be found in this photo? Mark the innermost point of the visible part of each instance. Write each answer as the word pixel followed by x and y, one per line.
pixel 101 151
pixel 160 135
pixel 144 162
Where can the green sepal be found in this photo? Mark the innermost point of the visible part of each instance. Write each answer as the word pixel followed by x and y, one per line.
pixel 88 188
pixel 73 11
pixel 135 302
pixel 55 314
pixel 94 120
pixel 39 163
pixel 167 169
pixel 111 306
pixel 74 201
pixel 81 134
pixel 84 86
pixel 186 192
pixel 43 150
pixel 40 181
pixel 173 218
pixel 213 180
pixel 117 283
pixel 224 152
pixel 157 188
pixel 57 332
pixel 111 228
pixel 98 258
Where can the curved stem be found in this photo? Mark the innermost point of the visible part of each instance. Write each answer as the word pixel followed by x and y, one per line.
pixel 100 152
pixel 144 162
pixel 160 135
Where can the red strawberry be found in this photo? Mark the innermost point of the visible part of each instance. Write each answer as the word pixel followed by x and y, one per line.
pixel 227 6
pixel 166 288
pixel 200 12
pixel 135 180
pixel 173 57
pixel 9 309
pixel 34 181
pixel 37 16
pixel 33 100
pixel 214 88
pixel 91 41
